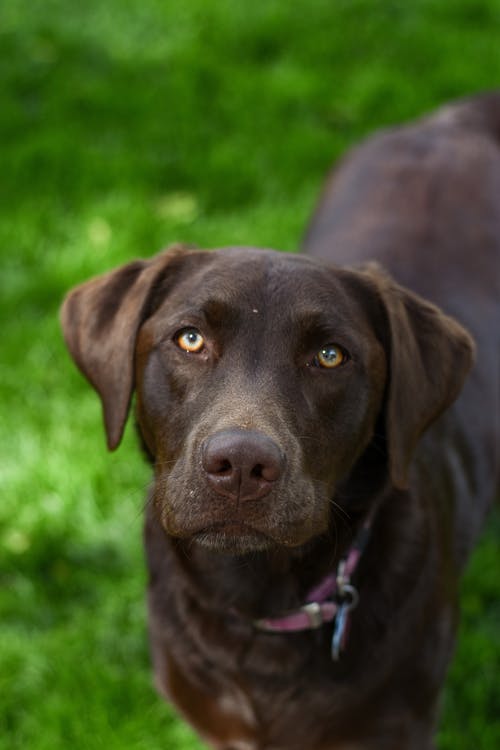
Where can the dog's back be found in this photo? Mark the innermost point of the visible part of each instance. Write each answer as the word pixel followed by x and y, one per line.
pixel 424 201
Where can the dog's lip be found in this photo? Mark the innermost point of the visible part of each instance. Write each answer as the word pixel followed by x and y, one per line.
pixel 231 527
pixel 234 537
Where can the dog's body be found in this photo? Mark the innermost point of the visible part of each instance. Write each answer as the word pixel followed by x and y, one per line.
pixel 283 401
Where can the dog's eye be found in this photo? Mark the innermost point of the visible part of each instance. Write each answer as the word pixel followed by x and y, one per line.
pixel 190 340
pixel 330 356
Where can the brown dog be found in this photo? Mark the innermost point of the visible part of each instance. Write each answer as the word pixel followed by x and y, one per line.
pixel 307 452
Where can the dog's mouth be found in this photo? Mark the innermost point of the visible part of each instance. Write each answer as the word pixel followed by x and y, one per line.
pixel 233 537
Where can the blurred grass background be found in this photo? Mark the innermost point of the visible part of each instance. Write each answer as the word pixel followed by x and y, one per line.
pixel 125 126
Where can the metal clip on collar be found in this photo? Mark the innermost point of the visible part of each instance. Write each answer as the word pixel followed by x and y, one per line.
pixel 349 598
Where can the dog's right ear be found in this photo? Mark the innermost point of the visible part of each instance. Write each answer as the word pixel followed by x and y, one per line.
pixel 100 321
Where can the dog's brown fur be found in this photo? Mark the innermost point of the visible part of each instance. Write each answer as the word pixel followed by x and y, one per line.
pixel 384 427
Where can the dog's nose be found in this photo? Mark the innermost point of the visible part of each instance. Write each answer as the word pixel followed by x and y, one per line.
pixel 241 464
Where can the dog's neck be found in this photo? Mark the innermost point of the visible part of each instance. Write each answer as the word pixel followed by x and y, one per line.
pixel 256 583
pixel 264 584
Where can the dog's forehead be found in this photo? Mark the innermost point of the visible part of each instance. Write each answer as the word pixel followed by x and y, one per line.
pixel 261 280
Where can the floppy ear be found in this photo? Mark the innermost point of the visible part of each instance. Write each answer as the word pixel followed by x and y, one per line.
pixel 100 321
pixel 430 355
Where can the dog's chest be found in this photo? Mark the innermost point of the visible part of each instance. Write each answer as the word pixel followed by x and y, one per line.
pixel 221 713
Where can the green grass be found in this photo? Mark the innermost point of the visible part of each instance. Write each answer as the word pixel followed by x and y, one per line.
pixel 125 126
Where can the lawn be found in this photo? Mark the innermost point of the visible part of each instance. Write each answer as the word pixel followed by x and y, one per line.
pixel 125 126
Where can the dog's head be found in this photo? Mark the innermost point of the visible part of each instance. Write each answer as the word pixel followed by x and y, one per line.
pixel 261 380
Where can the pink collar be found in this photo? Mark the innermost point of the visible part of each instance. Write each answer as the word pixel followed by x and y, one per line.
pixel 330 601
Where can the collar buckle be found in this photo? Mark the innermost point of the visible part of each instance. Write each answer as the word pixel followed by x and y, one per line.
pixel 314 614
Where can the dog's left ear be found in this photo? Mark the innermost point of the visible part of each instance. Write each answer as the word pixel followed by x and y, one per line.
pixel 100 320
pixel 430 355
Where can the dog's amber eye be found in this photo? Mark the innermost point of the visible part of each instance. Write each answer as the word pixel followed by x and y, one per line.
pixel 190 340
pixel 330 356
